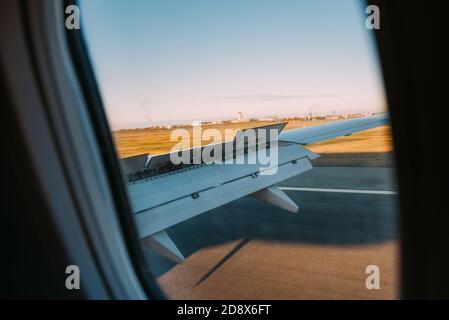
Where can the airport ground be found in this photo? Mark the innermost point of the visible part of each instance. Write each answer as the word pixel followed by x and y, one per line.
pixel 248 249
pixel 367 144
pixel 156 140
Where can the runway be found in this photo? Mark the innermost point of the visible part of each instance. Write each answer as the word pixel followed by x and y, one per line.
pixel 248 249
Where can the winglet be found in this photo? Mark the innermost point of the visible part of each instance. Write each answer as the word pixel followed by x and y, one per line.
pixel 277 197
pixel 161 243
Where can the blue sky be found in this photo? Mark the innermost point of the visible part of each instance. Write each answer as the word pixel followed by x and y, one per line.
pixel 172 61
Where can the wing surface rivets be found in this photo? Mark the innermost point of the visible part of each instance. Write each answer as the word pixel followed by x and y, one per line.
pixel 195 195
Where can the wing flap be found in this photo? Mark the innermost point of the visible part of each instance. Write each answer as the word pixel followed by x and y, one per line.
pixel 161 243
pixel 163 216
pixel 186 182
pixel 276 197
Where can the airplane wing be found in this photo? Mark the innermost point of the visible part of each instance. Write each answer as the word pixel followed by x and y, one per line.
pixel 331 130
pixel 163 194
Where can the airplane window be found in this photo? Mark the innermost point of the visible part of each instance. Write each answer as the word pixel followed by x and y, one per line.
pixel 255 145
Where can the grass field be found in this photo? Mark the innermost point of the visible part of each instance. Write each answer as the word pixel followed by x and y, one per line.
pixel 368 148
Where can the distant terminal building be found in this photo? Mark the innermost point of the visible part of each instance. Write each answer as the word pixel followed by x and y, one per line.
pixel 238 117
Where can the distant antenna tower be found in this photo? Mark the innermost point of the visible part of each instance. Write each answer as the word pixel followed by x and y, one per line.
pixel 309 112
pixel 147 110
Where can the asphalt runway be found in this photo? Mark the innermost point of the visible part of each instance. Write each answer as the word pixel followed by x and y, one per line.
pixel 248 249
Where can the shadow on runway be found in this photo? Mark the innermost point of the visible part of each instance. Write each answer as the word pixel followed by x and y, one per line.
pixel 234 250
pixel 324 218
pixel 355 159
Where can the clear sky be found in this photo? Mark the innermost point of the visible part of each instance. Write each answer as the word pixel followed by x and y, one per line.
pixel 171 61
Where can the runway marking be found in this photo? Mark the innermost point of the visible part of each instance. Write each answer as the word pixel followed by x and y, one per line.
pixel 339 190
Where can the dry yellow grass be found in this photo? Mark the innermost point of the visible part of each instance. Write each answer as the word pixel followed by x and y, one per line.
pixel 369 148
pixel 370 141
pixel 372 147
pixel 157 140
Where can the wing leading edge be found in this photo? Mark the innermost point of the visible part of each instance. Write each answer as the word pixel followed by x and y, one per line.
pixel 331 130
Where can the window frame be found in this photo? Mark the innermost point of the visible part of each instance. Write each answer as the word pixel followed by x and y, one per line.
pixel 72 152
